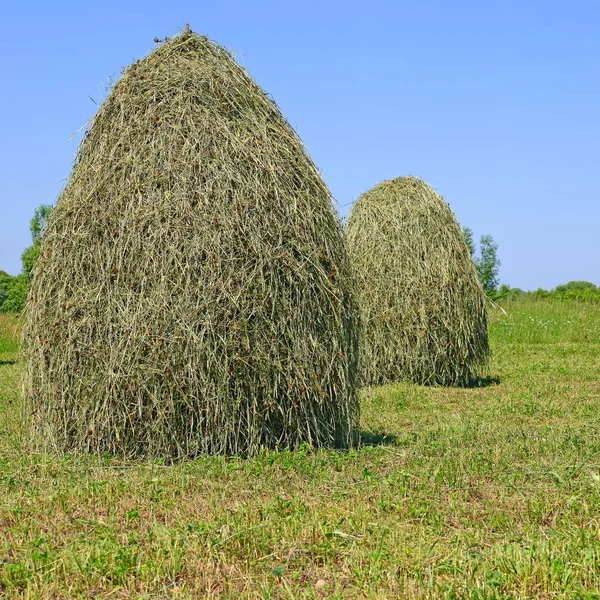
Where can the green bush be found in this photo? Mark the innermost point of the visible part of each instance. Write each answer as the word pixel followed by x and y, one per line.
pixel 16 294
pixel 507 293
pixel 584 295
pixel 13 290
pixel 5 281
pixel 580 291
pixel 576 286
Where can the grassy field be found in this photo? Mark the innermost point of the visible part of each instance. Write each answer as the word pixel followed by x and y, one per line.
pixel 479 493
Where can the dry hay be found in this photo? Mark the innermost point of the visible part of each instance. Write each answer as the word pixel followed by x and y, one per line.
pixel 423 308
pixel 193 292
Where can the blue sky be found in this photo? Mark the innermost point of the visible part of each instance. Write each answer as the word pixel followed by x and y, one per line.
pixel 494 104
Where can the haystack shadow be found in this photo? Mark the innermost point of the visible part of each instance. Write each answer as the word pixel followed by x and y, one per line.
pixel 374 438
pixel 485 382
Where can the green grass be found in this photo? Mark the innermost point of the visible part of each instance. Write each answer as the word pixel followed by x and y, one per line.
pixel 480 493
pixel 9 336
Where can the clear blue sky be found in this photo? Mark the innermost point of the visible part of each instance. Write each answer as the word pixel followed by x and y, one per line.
pixel 495 104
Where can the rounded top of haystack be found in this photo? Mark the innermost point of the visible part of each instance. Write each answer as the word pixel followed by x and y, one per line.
pixel 422 304
pixel 191 88
pixel 410 210
pixel 408 190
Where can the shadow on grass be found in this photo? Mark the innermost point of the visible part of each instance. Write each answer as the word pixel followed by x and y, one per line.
pixel 8 361
pixel 372 438
pixel 485 382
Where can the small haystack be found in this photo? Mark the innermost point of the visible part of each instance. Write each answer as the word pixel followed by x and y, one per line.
pixel 423 308
pixel 193 292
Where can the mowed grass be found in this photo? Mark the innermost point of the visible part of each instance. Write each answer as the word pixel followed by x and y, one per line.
pixel 479 493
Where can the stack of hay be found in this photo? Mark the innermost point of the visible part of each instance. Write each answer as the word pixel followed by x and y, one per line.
pixel 193 291
pixel 423 308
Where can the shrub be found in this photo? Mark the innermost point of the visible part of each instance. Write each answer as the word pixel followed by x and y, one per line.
pixel 16 295
pixel 508 293
pixel 5 282
pixel 575 286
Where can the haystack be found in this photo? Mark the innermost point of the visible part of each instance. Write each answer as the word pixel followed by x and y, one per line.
pixel 423 308
pixel 193 292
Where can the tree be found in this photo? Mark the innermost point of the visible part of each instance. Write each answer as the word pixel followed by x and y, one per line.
pixel 488 264
pixel 38 225
pixel 468 233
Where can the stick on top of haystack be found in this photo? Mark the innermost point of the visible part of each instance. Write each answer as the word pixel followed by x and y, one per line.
pixel 423 308
pixel 193 292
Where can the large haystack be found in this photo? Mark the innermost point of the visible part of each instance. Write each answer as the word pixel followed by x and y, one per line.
pixel 192 293
pixel 423 309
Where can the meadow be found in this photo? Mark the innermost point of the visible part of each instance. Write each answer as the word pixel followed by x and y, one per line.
pixel 489 492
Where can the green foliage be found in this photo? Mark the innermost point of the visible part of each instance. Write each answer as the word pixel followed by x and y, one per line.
pixel 469 238
pixel 505 292
pixel 16 294
pixel 13 290
pixel 580 291
pixel 576 286
pixel 5 282
pixel 38 226
pixel 488 264
pixel 29 258
pixel 587 295
pixel 39 222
